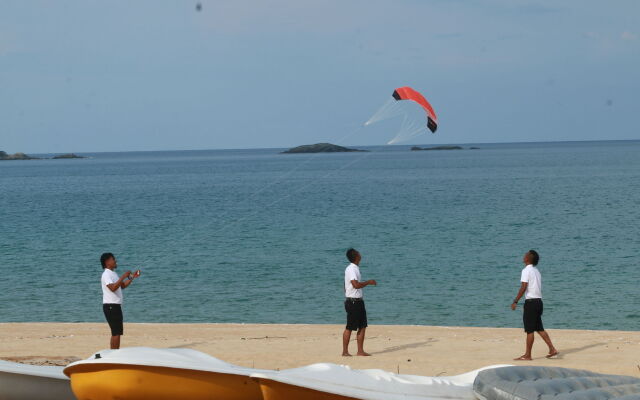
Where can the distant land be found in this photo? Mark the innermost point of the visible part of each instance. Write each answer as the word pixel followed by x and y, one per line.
pixel 16 156
pixel 319 148
pixel 21 156
pixel 416 148
pixel 69 155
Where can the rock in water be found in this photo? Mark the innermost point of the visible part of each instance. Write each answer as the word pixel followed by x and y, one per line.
pixel 69 155
pixel 416 148
pixel 320 148
pixel 16 156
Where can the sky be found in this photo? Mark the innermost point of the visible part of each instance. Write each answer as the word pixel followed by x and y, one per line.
pixel 91 76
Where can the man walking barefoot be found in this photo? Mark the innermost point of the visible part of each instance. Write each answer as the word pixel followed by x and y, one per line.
pixel 354 304
pixel 531 288
pixel 112 286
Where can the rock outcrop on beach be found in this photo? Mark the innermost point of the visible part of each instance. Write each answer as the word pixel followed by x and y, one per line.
pixel 69 155
pixel 16 156
pixel 319 148
pixel 416 148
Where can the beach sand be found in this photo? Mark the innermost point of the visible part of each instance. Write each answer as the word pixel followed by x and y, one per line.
pixel 420 350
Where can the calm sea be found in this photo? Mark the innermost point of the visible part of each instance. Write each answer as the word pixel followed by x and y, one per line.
pixel 257 236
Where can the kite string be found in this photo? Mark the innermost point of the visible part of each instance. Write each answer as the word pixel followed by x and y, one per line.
pixel 402 136
pixel 322 177
pixel 299 165
pixel 314 182
pixel 388 110
pixel 409 128
pixel 286 174
pixel 391 109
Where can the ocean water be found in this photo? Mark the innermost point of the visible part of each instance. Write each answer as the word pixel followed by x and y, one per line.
pixel 256 236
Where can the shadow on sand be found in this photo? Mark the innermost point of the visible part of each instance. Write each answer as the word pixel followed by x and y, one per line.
pixel 186 345
pixel 576 350
pixel 405 346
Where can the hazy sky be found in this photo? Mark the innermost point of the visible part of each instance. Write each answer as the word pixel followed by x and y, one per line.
pixel 91 75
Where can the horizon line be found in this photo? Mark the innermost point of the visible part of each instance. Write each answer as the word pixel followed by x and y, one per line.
pixel 354 145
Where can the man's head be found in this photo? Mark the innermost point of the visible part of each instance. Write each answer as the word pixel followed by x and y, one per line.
pixel 108 260
pixel 531 257
pixel 353 256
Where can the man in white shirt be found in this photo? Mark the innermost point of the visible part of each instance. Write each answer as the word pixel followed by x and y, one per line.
pixel 531 288
pixel 112 286
pixel 354 304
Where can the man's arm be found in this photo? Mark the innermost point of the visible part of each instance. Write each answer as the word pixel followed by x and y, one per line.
pixel 120 282
pixel 360 285
pixel 523 288
pixel 126 283
pixel 131 278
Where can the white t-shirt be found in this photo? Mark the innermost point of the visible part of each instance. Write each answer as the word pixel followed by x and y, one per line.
pixel 352 273
pixel 109 297
pixel 531 275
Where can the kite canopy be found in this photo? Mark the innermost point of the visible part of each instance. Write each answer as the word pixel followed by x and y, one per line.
pixel 407 93
pixel 417 115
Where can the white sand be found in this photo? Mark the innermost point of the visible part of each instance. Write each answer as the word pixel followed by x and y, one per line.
pixel 421 350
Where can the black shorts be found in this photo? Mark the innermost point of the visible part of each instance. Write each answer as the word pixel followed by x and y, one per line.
pixel 356 314
pixel 113 313
pixel 532 316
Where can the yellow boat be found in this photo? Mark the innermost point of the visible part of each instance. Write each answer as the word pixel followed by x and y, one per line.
pixel 143 373
pixel 272 390
pixel 340 382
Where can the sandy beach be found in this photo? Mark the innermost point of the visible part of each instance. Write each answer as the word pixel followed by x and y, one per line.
pixel 421 350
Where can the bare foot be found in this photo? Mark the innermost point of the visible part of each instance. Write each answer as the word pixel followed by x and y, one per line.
pixel 346 355
pixel 363 353
pixel 552 354
pixel 522 358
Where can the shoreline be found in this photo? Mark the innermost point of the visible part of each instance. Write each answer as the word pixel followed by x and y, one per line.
pixel 409 349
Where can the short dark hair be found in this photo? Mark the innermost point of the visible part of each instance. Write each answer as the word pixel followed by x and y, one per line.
pixel 351 254
pixel 104 257
pixel 535 257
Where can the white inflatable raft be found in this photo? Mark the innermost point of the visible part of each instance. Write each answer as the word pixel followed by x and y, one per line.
pixel 29 382
pixel 339 382
pixel 553 383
